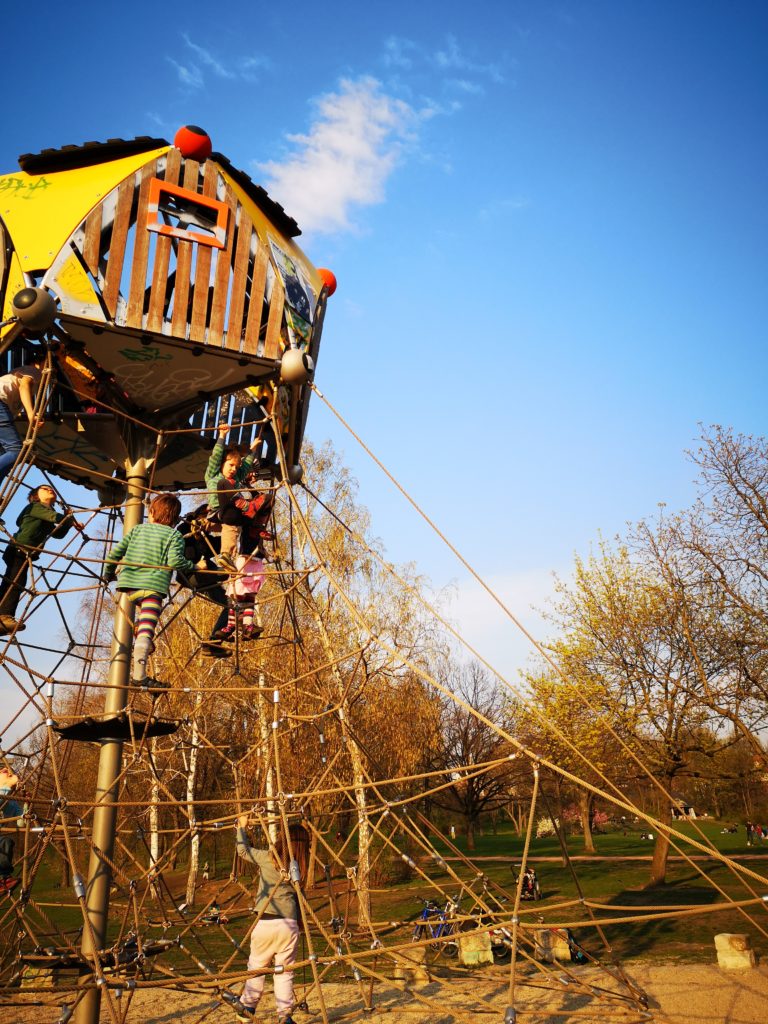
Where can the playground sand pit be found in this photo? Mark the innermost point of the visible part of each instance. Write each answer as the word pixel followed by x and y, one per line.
pixel 677 994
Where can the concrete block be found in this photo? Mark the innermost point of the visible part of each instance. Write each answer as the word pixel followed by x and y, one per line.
pixel 411 966
pixel 475 949
pixel 734 952
pixel 560 948
pixel 39 977
pixel 551 944
pixel 544 945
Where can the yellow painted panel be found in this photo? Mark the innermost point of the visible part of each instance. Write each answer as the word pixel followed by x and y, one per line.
pixel 74 283
pixel 263 226
pixel 14 284
pixel 41 211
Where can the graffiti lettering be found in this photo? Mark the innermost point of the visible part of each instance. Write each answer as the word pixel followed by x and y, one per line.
pixel 15 185
pixel 149 354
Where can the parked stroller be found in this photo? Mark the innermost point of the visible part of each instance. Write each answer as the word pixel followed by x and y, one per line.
pixel 531 889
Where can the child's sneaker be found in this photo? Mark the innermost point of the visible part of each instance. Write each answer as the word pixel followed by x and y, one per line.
pixel 225 633
pixel 251 632
pixel 8 624
pixel 215 649
pixel 153 685
pixel 246 1014
pixel 225 562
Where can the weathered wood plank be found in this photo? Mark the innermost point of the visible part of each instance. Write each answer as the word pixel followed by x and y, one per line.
pixel 120 225
pixel 203 266
pixel 138 286
pixel 275 321
pixel 184 262
pixel 162 254
pixel 92 240
pixel 221 277
pixel 239 281
pixel 256 304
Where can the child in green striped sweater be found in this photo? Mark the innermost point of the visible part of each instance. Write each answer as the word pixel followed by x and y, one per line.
pixel 149 553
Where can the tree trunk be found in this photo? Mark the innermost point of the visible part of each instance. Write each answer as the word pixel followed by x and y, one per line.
pixel 194 843
pixel 65 869
pixel 154 811
pixel 470 834
pixel 661 846
pixel 363 836
pixel 265 730
pixel 586 799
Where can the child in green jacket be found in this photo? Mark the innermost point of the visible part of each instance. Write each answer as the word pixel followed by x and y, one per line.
pixel 149 553
pixel 37 522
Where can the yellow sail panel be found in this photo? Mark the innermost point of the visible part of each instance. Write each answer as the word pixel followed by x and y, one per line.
pixel 41 211
pixel 14 284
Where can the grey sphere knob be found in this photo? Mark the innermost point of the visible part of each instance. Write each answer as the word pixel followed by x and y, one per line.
pixel 296 367
pixel 35 308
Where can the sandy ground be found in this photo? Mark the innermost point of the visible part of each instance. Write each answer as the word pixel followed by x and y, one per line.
pixel 677 994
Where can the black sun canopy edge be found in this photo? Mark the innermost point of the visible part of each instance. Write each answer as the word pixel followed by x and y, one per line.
pixel 67 158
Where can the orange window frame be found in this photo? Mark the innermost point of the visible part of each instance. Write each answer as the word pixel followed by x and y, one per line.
pixel 158 188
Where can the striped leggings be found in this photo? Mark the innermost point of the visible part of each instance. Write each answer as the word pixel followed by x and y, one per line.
pixel 148 607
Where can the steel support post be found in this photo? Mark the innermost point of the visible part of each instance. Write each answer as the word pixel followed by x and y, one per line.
pixel 110 761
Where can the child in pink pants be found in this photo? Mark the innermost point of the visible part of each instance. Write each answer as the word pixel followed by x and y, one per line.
pixel 275 936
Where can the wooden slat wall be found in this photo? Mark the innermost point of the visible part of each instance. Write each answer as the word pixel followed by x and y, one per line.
pixel 275 321
pixel 92 240
pixel 184 254
pixel 138 285
pixel 215 297
pixel 221 279
pixel 257 299
pixel 120 225
pixel 203 267
pixel 239 281
pixel 162 254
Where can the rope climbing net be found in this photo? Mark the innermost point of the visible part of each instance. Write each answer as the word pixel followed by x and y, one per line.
pixel 326 715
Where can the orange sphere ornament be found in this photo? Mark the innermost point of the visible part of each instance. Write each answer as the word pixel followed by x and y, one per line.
pixel 194 143
pixel 328 278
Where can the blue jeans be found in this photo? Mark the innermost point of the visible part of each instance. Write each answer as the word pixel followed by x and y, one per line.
pixel 10 441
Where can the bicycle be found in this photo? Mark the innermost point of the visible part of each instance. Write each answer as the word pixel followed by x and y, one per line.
pixel 437 923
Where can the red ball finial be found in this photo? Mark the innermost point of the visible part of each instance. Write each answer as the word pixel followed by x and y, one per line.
pixel 193 142
pixel 328 278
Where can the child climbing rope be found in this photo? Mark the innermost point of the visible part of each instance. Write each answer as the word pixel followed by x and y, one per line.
pixel 242 588
pixel 17 390
pixel 9 809
pixel 37 522
pixel 228 469
pixel 275 935
pixel 149 553
pixel 239 508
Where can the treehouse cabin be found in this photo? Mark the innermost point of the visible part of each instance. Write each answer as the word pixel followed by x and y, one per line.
pixel 180 293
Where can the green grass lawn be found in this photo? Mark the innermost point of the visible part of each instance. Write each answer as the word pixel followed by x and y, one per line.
pixel 611 878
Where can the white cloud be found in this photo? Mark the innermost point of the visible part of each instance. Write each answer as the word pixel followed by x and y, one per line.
pixel 189 75
pixel 192 74
pixel 451 58
pixel 208 60
pixel 345 159
pixel 465 85
pixel 399 52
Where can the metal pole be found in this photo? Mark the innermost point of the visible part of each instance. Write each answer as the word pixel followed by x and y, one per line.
pixel 110 760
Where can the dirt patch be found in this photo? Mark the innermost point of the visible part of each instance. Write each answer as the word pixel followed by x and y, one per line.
pixel 676 994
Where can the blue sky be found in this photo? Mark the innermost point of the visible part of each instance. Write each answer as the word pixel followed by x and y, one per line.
pixel 548 223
